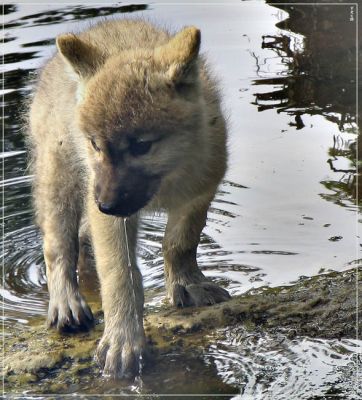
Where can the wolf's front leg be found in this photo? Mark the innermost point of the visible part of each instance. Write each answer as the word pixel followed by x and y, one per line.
pixel 67 310
pixel 58 209
pixel 186 284
pixel 123 339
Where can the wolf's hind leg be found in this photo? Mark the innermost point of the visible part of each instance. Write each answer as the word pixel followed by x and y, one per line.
pixel 186 284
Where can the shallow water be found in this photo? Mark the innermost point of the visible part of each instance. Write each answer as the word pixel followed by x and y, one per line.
pixel 287 207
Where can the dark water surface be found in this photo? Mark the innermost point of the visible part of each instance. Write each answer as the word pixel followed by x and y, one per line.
pixel 286 209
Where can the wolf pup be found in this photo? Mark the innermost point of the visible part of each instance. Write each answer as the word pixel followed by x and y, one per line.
pixel 125 118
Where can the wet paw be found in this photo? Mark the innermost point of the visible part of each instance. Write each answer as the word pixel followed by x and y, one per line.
pixel 69 314
pixel 198 294
pixel 120 359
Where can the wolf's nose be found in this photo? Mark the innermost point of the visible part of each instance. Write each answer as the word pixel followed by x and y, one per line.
pixel 106 208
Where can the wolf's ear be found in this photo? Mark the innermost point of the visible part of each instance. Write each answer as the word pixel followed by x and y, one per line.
pixel 81 56
pixel 179 56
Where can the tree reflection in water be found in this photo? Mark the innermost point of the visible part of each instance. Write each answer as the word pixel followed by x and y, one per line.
pixel 320 79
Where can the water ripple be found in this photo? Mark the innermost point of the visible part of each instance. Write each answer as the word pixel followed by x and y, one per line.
pixel 268 367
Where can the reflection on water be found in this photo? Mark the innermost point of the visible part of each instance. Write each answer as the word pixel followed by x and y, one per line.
pixel 68 13
pixel 270 222
pixel 319 79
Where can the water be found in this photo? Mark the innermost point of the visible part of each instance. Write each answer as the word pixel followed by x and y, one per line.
pixel 275 367
pixel 287 207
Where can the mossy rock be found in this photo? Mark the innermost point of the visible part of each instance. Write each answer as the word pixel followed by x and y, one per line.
pixel 323 306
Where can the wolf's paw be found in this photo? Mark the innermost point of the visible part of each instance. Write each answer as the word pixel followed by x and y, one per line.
pixel 120 358
pixel 69 313
pixel 198 294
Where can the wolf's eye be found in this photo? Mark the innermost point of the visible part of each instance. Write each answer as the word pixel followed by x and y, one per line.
pixel 139 148
pixel 94 144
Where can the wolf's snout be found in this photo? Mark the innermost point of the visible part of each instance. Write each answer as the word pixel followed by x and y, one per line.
pixel 123 207
pixel 106 208
pixel 125 195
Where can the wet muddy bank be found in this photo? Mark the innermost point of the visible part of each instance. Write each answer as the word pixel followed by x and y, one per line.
pixel 324 306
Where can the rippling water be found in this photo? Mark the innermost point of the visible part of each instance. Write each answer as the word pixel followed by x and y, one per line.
pixel 273 367
pixel 287 206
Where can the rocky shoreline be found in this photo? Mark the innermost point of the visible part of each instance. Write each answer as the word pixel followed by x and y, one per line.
pixel 41 361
